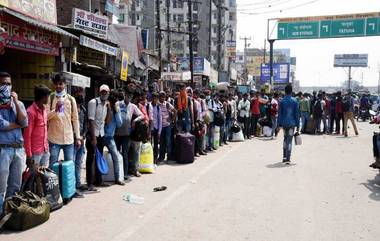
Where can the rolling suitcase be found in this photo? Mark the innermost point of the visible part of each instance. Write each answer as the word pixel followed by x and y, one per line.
pixel 66 176
pixel 311 126
pixel 185 148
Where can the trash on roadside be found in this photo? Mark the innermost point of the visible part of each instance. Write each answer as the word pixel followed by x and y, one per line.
pixel 159 189
pixel 193 181
pixel 134 199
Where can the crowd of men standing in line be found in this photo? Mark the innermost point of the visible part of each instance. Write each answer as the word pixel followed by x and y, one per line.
pixel 121 120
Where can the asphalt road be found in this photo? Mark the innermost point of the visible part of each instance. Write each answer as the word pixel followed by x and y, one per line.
pixel 240 192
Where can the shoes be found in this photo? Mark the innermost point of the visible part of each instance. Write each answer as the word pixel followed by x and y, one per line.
pixel 213 148
pixel 202 153
pixel 78 194
pixel 91 188
pixel 196 155
pixel 103 185
pixel 120 183
pixel 225 143
pixel 137 174
pixel 82 188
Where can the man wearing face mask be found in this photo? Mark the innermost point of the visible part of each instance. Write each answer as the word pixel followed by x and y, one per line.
pixel 79 151
pixel 13 117
pixel 97 116
pixel 63 124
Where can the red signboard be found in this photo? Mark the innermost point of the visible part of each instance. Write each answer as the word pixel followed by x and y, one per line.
pixel 23 36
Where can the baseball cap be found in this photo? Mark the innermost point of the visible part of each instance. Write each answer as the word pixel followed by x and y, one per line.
pixel 104 88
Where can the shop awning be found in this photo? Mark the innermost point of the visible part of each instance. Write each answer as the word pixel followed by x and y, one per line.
pixel 77 79
pixel 34 22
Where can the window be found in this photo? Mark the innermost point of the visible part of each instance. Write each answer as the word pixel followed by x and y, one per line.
pixel 232 3
pixel 195 17
pixel 137 3
pixel 180 18
pixel 195 7
pixel 121 18
pixel 214 29
pixel 174 17
pixel 138 17
pixel 215 15
pixel 177 4
pixel 232 17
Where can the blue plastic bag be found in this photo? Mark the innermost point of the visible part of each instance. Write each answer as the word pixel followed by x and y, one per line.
pixel 101 163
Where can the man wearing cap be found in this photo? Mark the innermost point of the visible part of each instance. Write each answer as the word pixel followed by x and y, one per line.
pixel 63 123
pixel 97 115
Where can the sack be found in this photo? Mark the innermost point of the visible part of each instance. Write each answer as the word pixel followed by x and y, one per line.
pixel 66 176
pixel 146 162
pixel 50 185
pixel 238 137
pixel 25 210
pixel 184 148
pixel 297 139
pixel 216 137
pixel 101 163
pixel 219 119
pixel 207 118
pixel 140 132
pixel 267 131
pixel 110 177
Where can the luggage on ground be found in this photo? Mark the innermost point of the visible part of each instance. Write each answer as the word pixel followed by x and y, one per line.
pixel 267 131
pixel 311 126
pixel 185 148
pixel 297 139
pixel 216 137
pixel 50 185
pixel 146 163
pixel 25 210
pixel 110 177
pixel 238 137
pixel 66 176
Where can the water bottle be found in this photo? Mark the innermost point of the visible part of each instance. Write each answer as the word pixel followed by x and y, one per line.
pixel 132 198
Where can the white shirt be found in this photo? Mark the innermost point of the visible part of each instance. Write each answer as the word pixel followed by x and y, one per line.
pixel 97 111
pixel 244 107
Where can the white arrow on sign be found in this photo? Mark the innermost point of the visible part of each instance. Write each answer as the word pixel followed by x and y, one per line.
pixel 282 30
pixel 325 28
pixel 372 25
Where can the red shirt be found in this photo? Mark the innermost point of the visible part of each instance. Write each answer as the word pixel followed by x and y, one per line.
pixel 339 107
pixel 255 106
pixel 35 135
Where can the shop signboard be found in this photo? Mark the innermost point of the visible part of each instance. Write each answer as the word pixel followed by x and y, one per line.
pixel 176 76
pixel 200 65
pixel 91 23
pixel 19 35
pixel 124 66
pixel 231 48
pixel 281 73
pixel 351 60
pixel 90 56
pixel 44 10
pixel 97 45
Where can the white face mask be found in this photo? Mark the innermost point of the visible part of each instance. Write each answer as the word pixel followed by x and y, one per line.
pixel 208 97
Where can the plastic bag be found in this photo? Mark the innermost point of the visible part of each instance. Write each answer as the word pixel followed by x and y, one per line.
pixel 146 163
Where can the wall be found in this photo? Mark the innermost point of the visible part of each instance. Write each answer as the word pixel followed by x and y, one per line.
pixel 64 9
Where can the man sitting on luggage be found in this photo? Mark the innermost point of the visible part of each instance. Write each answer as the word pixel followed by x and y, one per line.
pixel 13 117
pixel 97 114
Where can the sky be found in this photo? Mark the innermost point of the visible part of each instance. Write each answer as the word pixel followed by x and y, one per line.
pixel 315 58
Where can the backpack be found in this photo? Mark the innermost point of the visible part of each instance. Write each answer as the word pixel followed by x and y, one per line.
pixel 318 111
pixel 52 97
pixel 140 132
pixel 346 105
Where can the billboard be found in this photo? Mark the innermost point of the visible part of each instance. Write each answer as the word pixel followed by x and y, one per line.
pixel 91 23
pixel 351 60
pixel 44 10
pixel 281 73
pixel 200 65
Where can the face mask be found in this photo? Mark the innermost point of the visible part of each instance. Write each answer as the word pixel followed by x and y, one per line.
pixel 104 97
pixel 5 94
pixel 60 94
pixel 208 97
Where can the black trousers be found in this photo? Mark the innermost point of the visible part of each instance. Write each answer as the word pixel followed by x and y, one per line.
pixel 332 121
pixel 254 121
pixel 339 119
pixel 93 176
pixel 156 142
pixel 246 121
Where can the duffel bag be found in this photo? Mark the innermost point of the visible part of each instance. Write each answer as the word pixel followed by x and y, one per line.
pixel 25 210
pixel 50 185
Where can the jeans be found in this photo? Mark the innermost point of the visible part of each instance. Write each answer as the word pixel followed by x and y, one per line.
pixel 136 151
pixel 325 123
pixel 332 122
pixel 288 142
pixel 68 152
pixel 123 143
pixel 91 177
pixel 305 116
pixel 155 141
pixel 12 164
pixel 184 122
pixel 254 121
pixel 274 124
pixel 166 143
pixel 227 130
pixel 210 134
pixel 109 142
pixel 41 160
pixel 78 158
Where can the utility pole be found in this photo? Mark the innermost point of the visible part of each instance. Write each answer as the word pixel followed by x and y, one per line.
pixel 349 77
pixel 246 39
pixel 168 36
pixel 378 83
pixel 190 19
pixel 158 35
pixel 271 43
pixel 210 32
pixel 219 49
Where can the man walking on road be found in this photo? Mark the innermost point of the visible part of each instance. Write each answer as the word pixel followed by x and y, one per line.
pixel 289 120
pixel 348 113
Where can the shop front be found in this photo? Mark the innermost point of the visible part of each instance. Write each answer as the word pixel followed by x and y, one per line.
pixel 29 51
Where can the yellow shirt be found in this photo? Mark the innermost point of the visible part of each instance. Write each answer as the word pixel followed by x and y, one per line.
pixel 61 128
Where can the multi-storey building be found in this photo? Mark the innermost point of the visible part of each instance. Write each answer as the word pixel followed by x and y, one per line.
pixel 174 16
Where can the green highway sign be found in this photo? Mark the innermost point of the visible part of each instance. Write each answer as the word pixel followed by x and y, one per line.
pixel 359 25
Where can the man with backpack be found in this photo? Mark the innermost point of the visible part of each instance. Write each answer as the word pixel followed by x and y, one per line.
pixel 156 128
pixel 168 118
pixel 348 113
pixel 13 118
pixel 318 112
pixel 97 117
pixel 63 122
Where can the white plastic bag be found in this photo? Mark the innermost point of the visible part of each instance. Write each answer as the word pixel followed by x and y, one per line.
pixel 267 131
pixel 298 139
